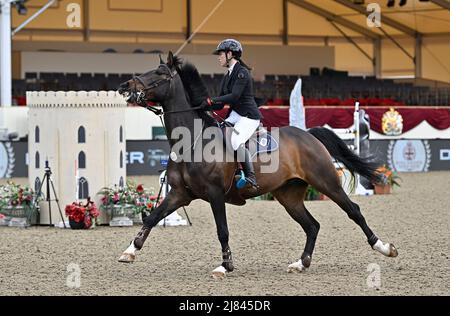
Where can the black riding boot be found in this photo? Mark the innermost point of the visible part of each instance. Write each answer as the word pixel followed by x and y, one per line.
pixel 247 164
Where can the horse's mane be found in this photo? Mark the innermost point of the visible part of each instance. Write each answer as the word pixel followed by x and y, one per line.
pixel 194 87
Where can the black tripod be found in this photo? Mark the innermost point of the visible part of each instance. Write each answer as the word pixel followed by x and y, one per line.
pixel 164 182
pixel 48 180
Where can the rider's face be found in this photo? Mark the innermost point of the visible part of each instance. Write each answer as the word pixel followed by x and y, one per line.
pixel 223 59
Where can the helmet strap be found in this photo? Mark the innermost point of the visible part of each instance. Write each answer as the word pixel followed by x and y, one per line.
pixel 228 59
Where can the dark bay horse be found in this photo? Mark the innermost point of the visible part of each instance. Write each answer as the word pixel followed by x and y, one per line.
pixel 305 158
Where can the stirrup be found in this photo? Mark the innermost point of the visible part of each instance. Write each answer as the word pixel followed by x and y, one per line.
pixel 242 182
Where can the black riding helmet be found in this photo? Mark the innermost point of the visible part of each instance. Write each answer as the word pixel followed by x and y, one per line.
pixel 229 45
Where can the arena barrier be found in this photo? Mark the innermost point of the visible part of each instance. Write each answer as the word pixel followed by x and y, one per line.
pixel 359 133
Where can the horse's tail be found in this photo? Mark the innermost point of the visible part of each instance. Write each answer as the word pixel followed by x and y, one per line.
pixel 365 167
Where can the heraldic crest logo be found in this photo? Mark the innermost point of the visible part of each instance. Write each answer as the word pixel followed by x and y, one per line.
pixel 409 155
pixel 392 123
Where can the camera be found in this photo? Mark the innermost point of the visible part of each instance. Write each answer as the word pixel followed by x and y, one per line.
pixel 20 6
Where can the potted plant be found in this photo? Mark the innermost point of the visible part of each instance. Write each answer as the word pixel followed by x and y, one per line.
pixel 312 194
pixel 125 202
pixel 144 200
pixel 389 180
pixel 17 204
pixel 3 221
pixel 82 216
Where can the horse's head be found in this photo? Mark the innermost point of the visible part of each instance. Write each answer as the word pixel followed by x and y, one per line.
pixel 153 86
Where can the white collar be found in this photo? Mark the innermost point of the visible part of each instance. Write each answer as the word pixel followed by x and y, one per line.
pixel 230 69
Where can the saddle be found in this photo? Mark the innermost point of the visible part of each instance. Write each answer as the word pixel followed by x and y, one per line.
pixel 261 142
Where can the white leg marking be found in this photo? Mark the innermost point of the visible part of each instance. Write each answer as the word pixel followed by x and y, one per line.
pixel 219 273
pixel 129 255
pixel 131 249
pixel 383 248
pixel 296 267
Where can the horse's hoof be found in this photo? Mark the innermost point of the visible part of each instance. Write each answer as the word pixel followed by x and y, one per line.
pixel 127 258
pixel 392 251
pixel 386 249
pixel 219 273
pixel 228 266
pixel 296 267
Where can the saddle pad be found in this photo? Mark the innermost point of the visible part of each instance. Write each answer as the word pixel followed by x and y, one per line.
pixel 262 143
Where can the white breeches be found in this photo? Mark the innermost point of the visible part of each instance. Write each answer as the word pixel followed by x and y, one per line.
pixel 245 128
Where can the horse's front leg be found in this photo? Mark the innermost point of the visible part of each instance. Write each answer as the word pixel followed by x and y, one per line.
pixel 171 203
pixel 217 201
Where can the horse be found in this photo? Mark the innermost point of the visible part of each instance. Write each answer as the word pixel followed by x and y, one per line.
pixel 305 158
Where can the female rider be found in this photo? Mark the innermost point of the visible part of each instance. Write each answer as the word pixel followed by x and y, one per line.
pixel 237 91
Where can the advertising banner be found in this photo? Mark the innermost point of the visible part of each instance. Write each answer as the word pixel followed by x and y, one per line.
pixel 149 157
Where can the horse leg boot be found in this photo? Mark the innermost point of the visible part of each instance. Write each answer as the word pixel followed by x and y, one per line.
pixel 130 254
pixel 244 157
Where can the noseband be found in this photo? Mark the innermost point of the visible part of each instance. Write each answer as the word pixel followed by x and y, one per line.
pixel 141 98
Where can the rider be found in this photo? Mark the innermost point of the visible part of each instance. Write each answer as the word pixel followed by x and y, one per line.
pixel 237 91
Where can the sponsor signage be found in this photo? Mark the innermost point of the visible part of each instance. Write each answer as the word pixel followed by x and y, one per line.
pixel 151 157
pixel 409 155
pixel 444 155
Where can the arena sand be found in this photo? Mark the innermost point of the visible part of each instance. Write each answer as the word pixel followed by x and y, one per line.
pixel 264 240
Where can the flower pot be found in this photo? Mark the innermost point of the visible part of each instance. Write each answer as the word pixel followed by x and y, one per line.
pixel 121 214
pixel 137 219
pixel 75 225
pixel 383 189
pixel 20 215
pixel 122 210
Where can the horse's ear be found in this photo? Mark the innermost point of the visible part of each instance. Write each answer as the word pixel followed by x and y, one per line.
pixel 161 61
pixel 170 60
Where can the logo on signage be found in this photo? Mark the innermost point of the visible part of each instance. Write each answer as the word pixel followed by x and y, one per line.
pixel 445 154
pixel 409 155
pixel 392 123
pixel 7 160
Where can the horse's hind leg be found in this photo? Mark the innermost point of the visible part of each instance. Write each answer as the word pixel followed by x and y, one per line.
pixel 291 196
pixel 330 186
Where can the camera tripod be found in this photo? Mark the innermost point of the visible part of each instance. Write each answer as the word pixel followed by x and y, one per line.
pixel 163 194
pixel 48 181
pixel 164 184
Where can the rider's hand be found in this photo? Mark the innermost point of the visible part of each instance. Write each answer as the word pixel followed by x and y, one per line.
pixel 206 104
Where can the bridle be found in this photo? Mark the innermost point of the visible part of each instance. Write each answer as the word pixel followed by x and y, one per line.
pixel 141 98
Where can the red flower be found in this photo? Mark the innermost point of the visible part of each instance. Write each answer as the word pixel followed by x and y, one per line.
pixel 94 212
pixel 82 213
pixel 140 188
pixel 87 222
